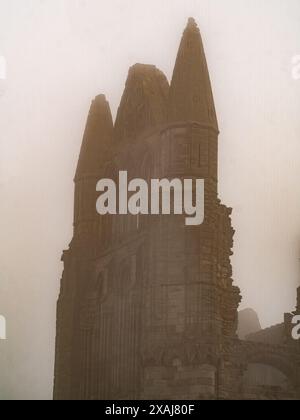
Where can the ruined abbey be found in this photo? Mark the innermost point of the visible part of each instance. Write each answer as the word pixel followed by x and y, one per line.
pixel 148 308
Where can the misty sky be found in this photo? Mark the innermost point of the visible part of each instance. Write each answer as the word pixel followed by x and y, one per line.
pixel 62 53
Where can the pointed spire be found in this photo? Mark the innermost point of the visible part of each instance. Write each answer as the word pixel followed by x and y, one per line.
pixel 191 97
pixel 98 134
pixel 192 24
pixel 144 103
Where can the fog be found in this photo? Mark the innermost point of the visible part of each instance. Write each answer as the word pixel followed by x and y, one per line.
pixel 62 53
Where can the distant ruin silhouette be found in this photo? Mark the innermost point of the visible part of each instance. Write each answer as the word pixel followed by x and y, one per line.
pixel 147 307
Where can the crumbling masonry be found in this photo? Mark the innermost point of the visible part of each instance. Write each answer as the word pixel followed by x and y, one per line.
pixel 147 307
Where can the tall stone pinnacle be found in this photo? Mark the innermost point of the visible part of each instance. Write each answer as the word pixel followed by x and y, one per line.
pixel 98 133
pixel 191 97
pixel 192 24
pixel 144 104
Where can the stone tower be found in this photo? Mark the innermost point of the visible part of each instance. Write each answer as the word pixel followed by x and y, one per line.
pixel 147 308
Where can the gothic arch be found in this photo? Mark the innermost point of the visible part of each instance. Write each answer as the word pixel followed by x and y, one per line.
pixel 277 361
